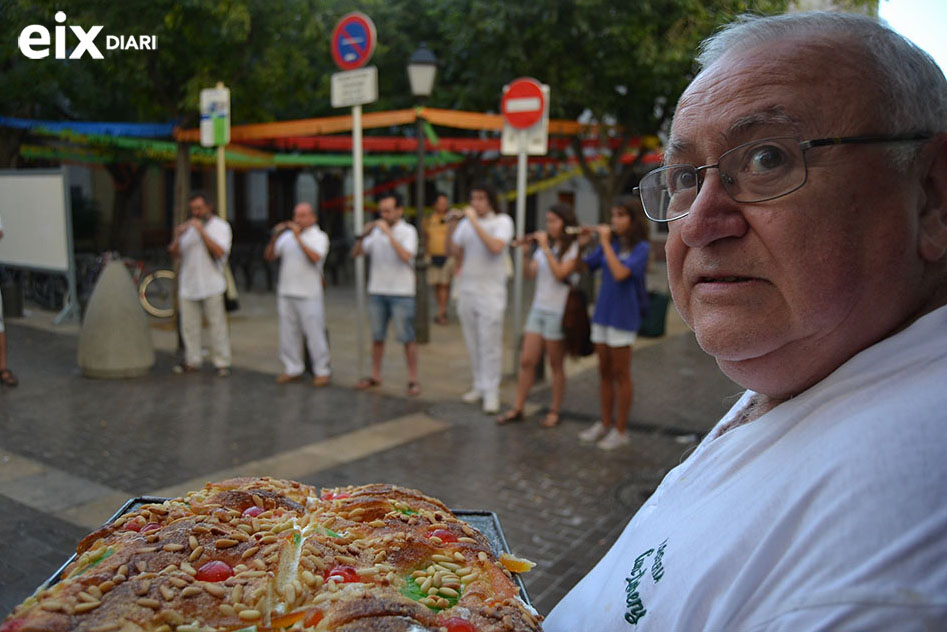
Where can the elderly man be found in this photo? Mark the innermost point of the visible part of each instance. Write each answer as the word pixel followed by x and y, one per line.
pixel 301 248
pixel 806 191
pixel 202 243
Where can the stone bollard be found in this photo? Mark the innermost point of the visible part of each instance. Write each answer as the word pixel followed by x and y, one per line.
pixel 115 339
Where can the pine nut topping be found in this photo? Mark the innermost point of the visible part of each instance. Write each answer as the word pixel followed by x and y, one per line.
pixel 249 615
pixel 86 606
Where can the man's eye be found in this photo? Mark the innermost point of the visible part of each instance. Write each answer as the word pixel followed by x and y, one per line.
pixel 765 159
pixel 681 179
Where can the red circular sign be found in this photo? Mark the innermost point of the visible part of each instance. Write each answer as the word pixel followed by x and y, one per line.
pixel 353 41
pixel 523 103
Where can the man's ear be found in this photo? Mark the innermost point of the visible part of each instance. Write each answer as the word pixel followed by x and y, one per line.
pixel 932 235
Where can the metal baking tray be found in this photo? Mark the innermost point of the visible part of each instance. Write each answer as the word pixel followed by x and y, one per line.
pixel 486 522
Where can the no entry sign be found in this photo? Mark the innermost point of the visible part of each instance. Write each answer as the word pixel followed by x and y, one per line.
pixel 353 41
pixel 523 103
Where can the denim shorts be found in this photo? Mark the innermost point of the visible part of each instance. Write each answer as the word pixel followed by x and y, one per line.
pixel 383 307
pixel 612 336
pixel 544 322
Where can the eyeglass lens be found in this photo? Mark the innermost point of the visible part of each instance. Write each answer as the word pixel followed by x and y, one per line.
pixel 753 172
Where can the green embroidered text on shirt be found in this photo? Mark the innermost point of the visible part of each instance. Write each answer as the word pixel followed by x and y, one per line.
pixel 635 606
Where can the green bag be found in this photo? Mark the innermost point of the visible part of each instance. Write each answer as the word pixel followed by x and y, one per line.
pixel 653 321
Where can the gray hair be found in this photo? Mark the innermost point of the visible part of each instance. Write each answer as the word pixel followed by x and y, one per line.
pixel 911 86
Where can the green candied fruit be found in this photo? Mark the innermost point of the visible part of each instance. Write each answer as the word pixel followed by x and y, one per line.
pixel 297 539
pixel 412 590
pixel 327 531
pixel 96 561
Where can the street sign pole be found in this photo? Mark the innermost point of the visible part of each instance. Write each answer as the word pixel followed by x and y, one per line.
pixel 525 107
pixel 352 44
pixel 215 132
pixel 359 228
pixel 518 258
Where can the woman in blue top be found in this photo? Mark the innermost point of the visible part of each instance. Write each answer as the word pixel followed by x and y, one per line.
pixel 623 257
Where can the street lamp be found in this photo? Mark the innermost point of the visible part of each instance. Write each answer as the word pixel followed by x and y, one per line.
pixel 422 68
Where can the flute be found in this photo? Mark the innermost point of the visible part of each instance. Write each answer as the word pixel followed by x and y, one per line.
pixel 367 232
pixel 581 230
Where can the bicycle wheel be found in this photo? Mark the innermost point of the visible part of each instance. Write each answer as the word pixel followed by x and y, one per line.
pixel 156 293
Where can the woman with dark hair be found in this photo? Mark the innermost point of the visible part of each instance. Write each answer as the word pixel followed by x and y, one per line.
pixel 479 241
pixel 622 255
pixel 552 263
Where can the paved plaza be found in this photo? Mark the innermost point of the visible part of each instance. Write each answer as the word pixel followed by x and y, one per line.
pixel 73 449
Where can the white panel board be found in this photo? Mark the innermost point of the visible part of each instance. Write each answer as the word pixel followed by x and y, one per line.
pixel 36 223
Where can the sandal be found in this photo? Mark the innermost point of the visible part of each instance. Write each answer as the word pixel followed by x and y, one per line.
pixel 509 417
pixel 7 378
pixel 441 320
pixel 551 420
pixel 366 383
pixel 414 389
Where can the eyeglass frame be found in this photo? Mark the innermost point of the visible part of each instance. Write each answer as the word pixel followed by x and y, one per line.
pixel 803 146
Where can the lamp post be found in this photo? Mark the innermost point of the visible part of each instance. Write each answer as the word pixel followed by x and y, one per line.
pixel 422 68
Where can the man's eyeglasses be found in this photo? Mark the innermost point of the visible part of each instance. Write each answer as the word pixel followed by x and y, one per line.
pixel 757 171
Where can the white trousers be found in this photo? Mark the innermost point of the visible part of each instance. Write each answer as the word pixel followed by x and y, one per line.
pixel 299 318
pixel 482 324
pixel 213 309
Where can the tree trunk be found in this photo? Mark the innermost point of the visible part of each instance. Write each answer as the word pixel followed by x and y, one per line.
pixel 182 182
pixel 125 231
pixel 10 141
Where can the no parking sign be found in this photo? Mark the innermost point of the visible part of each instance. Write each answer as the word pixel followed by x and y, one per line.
pixel 353 41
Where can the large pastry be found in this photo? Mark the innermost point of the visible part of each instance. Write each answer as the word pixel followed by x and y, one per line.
pixel 266 554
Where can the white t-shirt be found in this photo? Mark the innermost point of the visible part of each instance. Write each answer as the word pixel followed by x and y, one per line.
pixel 482 272
pixel 298 276
pixel 827 513
pixel 388 274
pixel 200 275
pixel 551 293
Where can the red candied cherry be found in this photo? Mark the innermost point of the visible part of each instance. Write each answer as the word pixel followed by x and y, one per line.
pixel 443 534
pixel 335 495
pixel 132 525
pixel 13 625
pixel 252 512
pixel 456 624
pixel 151 526
pixel 214 571
pixel 345 574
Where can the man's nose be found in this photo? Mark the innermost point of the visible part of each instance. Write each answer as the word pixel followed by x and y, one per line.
pixel 713 214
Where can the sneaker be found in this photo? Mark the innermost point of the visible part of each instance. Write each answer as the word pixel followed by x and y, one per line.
pixel 471 397
pixel 223 371
pixel 491 403
pixel 593 433
pixel 614 440
pixel 181 369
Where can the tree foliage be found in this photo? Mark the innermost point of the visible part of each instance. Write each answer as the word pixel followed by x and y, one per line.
pixel 619 63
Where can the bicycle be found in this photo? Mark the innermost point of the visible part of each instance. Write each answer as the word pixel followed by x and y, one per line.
pixel 156 293
pixel 155 287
